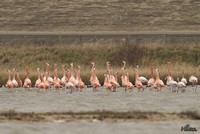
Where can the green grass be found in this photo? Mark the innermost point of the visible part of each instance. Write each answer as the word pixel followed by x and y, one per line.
pixel 182 57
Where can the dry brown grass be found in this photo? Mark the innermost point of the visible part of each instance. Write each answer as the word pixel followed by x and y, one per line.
pixel 92 15
pixel 182 56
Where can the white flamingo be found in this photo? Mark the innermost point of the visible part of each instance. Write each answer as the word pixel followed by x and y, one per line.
pixel 184 80
pixel 142 79
pixel 181 85
pixel 49 78
pixel 38 81
pixel 169 77
pixel 193 80
pixel 15 84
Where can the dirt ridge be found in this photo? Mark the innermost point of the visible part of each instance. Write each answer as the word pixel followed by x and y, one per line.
pixel 97 115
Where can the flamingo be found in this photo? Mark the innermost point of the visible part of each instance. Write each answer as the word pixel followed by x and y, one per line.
pixel 184 80
pixel 38 81
pixel 111 78
pixel 138 83
pixel 125 79
pixel 181 85
pixel 41 84
pixel 56 68
pixel 81 84
pixel 19 81
pixel 56 80
pixel 46 82
pixel 27 81
pixel 124 76
pixel 169 77
pixel 170 81
pixel 63 79
pixel 107 83
pixel 159 84
pixel 9 83
pixel 129 85
pixel 72 78
pixel 193 80
pixel 93 79
pixel 69 84
pixel 49 78
pixel 15 84
pixel 142 79
pixel 152 79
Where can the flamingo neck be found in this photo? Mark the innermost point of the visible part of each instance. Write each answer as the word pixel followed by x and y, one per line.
pixel 38 74
pixel 157 75
pixel 14 75
pixel 152 76
pixel 9 76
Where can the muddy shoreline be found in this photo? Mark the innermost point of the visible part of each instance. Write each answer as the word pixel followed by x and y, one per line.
pixel 97 115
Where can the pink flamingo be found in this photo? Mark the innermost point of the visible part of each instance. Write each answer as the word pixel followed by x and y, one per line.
pixel 107 83
pixel 27 81
pixel 9 83
pixel 69 84
pixel 56 68
pixel 138 83
pixel 56 80
pixel 41 84
pixel 111 77
pixel 93 79
pixel 63 79
pixel 49 78
pixel 159 84
pixel 152 79
pixel 38 81
pixel 46 82
pixel 19 81
pixel 81 84
pixel 125 79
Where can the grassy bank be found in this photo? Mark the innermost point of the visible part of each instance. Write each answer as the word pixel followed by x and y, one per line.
pixel 185 57
pixel 92 15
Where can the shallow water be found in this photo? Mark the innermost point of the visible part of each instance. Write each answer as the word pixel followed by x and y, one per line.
pixel 62 101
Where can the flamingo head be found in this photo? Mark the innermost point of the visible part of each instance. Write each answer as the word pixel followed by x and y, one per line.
pixel 168 62
pixel 124 62
pixel 47 64
pixel 72 65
